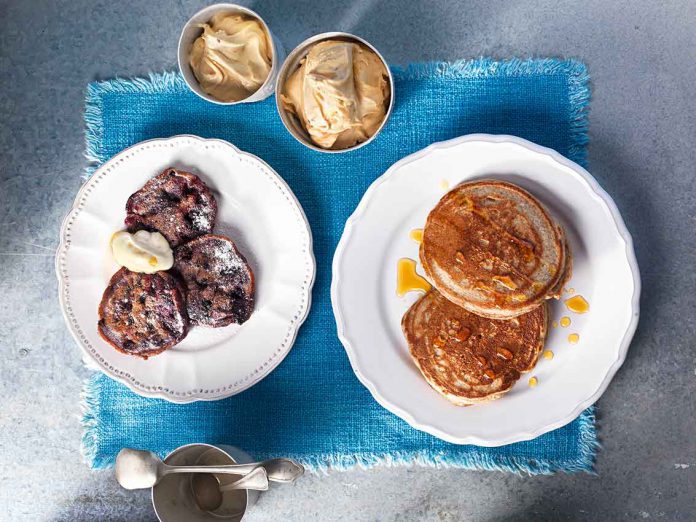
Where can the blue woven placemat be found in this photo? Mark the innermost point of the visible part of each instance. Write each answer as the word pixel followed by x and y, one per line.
pixel 312 407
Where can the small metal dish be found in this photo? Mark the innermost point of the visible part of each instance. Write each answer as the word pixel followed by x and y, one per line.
pixel 191 32
pixel 173 497
pixel 292 62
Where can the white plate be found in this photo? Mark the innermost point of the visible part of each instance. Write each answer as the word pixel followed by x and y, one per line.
pixel 368 312
pixel 256 209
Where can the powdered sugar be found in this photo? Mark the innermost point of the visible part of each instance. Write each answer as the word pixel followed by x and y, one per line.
pixel 226 257
pixel 219 283
pixel 202 220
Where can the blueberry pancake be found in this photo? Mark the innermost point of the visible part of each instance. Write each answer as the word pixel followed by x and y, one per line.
pixel 142 314
pixel 219 282
pixel 176 204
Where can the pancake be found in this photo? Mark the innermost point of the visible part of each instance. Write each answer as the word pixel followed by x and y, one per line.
pixel 219 282
pixel 142 314
pixel 467 358
pixel 176 204
pixel 492 248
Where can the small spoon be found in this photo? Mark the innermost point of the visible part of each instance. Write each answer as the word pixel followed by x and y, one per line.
pixel 207 490
pixel 138 469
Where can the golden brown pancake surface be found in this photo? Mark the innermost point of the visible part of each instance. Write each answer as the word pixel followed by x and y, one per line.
pixel 492 248
pixel 467 358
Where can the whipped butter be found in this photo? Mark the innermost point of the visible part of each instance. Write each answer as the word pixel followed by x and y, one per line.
pixel 145 252
pixel 232 58
pixel 340 93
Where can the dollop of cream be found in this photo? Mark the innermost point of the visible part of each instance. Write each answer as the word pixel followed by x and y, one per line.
pixel 232 58
pixel 339 93
pixel 145 252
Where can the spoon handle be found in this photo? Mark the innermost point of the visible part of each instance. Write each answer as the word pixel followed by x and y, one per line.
pixel 278 470
pixel 255 479
pixel 233 469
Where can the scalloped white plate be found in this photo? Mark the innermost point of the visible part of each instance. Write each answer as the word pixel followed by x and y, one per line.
pixel 368 311
pixel 256 209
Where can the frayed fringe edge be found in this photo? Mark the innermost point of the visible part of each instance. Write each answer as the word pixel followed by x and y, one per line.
pixel 579 95
pixel 89 402
pixel 324 463
pixel 487 67
pixel 584 462
pixel 94 124
pixel 578 91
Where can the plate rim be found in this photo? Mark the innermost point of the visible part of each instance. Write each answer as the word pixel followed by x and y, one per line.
pixel 64 245
pixel 629 251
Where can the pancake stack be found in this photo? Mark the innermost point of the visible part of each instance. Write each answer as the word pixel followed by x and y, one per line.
pixel 494 255
pixel 211 284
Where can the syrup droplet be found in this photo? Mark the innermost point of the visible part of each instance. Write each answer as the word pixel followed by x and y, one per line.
pixel 417 235
pixel 444 184
pixel 554 324
pixel 565 322
pixel 548 354
pixel 577 304
pixel 533 381
pixel 573 338
pixel 407 280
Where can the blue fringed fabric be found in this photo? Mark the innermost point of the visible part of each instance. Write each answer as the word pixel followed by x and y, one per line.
pixel 312 407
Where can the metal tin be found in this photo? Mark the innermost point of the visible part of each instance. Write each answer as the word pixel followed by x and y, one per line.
pixel 292 62
pixel 191 31
pixel 173 498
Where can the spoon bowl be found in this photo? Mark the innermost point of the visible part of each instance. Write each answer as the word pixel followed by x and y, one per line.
pixel 137 469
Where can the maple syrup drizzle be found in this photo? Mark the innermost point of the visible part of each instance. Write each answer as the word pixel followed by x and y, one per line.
pixel 417 235
pixel 407 279
pixel 577 304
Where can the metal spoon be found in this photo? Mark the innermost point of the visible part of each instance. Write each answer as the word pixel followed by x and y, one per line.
pixel 138 469
pixel 207 491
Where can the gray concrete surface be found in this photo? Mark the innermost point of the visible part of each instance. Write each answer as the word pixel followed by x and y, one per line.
pixel 641 57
